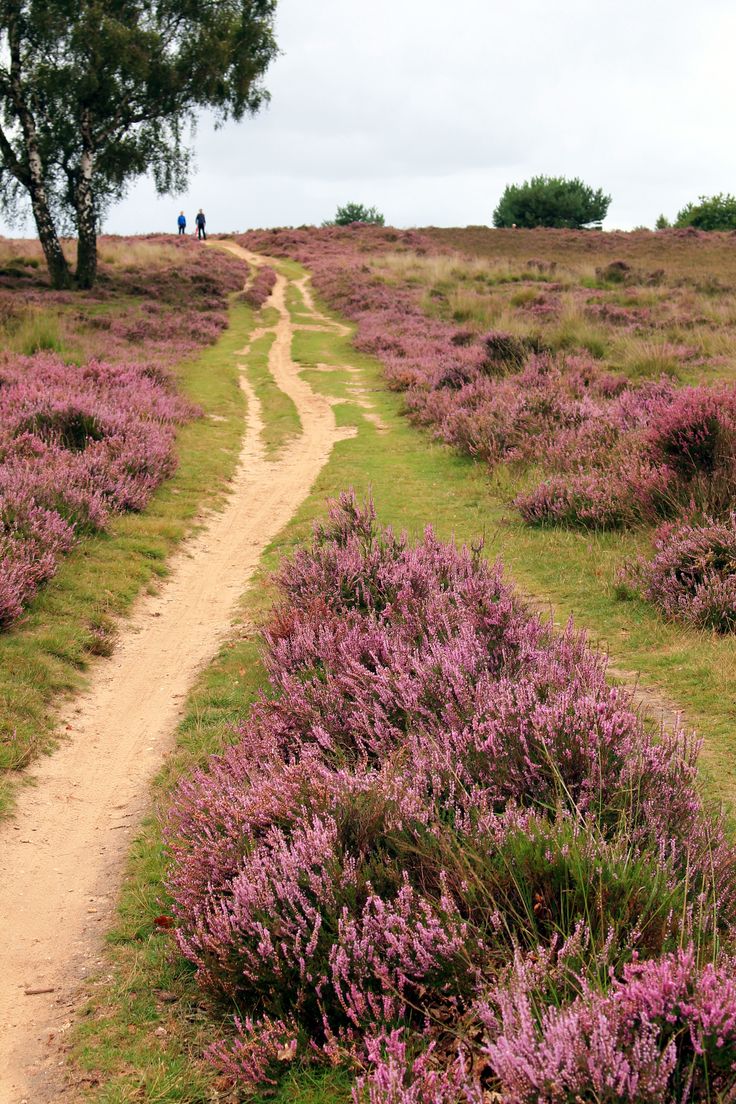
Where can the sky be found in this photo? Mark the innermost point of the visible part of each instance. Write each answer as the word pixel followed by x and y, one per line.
pixel 428 108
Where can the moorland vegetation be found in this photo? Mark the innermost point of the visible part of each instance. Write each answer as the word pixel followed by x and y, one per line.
pixel 444 854
pixel 603 383
pixel 89 405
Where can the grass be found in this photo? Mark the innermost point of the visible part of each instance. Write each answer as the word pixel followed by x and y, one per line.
pixel 500 280
pixel 44 656
pixel 38 331
pixel 690 258
pixel 414 482
pixel 280 417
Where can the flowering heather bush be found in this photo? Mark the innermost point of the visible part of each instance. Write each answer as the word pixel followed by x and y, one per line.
pixel 637 493
pixel 261 287
pixel 664 1031
pixel 81 443
pixel 31 541
pixel 76 445
pixel 692 575
pixel 397 1077
pixel 435 783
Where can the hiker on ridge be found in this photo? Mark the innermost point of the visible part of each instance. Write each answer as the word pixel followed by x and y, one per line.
pixel 201 222
pixel 181 222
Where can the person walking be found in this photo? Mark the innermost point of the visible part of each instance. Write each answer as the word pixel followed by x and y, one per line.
pixel 181 222
pixel 201 222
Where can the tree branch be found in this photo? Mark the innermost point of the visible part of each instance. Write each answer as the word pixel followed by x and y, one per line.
pixel 11 161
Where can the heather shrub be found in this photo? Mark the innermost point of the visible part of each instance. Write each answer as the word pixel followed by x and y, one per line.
pixel 692 574
pixel 31 541
pixel 256 294
pixel 434 782
pixel 398 1074
pixel 76 445
pixel 664 1032
pixel 693 431
pixel 349 913
pixel 79 443
pixel 318 916
pixel 584 501
pixel 504 352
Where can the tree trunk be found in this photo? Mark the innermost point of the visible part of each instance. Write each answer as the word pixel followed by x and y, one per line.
pixel 87 253
pixel 86 215
pixel 31 176
pixel 56 262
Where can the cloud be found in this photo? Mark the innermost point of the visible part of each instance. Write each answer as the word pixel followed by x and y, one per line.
pixel 428 108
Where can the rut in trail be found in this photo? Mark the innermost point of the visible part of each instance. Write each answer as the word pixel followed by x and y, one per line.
pixel 62 855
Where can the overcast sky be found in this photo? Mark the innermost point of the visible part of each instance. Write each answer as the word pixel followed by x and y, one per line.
pixel 427 108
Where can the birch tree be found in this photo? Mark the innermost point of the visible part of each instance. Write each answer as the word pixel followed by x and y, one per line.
pixel 94 93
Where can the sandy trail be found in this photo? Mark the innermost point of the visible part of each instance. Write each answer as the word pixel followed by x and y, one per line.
pixel 64 851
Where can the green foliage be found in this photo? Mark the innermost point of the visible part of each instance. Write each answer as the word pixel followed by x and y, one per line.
pixel 716 212
pixel 551 201
pixel 357 212
pixel 662 223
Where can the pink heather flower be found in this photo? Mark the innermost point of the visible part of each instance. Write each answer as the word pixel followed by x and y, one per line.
pixel 434 781
pixel 692 575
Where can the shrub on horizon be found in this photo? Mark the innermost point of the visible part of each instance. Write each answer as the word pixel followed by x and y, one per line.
pixel 717 212
pixel 352 213
pixel 552 201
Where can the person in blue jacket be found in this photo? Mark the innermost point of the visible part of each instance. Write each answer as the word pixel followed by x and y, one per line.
pixel 201 222
pixel 181 222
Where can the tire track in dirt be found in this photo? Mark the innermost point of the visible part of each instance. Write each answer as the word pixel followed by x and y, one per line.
pixel 63 853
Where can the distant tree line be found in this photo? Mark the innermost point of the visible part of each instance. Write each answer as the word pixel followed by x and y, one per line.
pixel 555 201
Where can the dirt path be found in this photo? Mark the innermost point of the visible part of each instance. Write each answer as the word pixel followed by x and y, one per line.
pixel 63 853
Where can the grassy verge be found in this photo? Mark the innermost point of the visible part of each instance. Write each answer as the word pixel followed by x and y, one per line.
pixel 44 656
pixel 143 1034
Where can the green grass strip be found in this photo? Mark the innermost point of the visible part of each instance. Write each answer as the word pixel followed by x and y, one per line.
pixel 281 421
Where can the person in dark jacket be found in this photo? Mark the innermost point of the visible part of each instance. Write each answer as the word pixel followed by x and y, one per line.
pixel 181 222
pixel 201 222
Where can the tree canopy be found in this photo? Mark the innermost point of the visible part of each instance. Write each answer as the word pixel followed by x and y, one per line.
pixel 717 212
pixel 357 212
pixel 551 201
pixel 94 93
